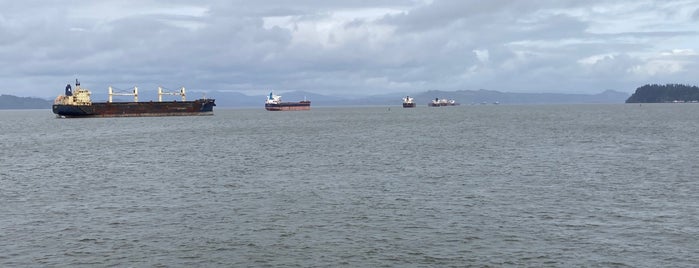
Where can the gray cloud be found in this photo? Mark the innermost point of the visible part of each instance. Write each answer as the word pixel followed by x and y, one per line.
pixel 347 47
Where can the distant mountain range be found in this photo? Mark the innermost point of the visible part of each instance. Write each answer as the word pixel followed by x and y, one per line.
pixel 465 97
pixel 227 99
pixel 14 102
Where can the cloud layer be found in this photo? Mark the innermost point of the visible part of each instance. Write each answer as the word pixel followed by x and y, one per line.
pixel 348 47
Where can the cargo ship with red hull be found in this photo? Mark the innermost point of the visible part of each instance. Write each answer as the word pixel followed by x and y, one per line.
pixel 408 102
pixel 77 103
pixel 275 103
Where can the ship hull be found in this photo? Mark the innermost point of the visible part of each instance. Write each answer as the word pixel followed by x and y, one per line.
pixel 136 109
pixel 409 105
pixel 442 104
pixel 289 106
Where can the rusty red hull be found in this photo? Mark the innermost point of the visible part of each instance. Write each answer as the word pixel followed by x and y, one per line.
pixel 289 106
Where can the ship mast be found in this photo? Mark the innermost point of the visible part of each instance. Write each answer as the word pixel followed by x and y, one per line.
pixel 161 93
pixel 134 94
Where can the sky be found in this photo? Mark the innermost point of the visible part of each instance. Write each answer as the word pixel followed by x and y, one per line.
pixel 347 47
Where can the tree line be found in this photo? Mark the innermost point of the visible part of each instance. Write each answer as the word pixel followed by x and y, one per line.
pixel 665 93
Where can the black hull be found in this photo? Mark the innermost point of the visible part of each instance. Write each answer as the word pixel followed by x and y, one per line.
pixel 441 105
pixel 136 109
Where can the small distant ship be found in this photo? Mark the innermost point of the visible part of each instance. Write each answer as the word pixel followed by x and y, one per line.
pixel 275 103
pixel 408 102
pixel 77 103
pixel 437 102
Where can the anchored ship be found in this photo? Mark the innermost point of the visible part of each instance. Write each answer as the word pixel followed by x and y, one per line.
pixel 437 102
pixel 408 102
pixel 275 103
pixel 77 103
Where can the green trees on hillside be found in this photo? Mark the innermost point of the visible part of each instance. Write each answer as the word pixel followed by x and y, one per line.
pixel 665 93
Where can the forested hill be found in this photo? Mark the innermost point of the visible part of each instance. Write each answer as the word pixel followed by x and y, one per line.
pixel 14 102
pixel 665 93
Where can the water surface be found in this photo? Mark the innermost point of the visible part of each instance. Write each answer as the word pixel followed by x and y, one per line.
pixel 484 185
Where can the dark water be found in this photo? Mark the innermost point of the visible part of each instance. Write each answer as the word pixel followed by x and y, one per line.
pixel 577 185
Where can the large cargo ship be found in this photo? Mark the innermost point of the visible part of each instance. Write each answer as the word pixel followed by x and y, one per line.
pixel 437 102
pixel 408 102
pixel 275 103
pixel 77 103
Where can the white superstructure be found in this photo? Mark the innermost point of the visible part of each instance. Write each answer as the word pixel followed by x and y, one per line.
pixel 79 96
pixel 273 99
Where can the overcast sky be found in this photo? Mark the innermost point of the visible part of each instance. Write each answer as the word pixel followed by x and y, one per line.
pixel 348 47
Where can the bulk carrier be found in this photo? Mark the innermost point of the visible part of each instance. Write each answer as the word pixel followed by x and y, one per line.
pixel 77 103
pixel 437 102
pixel 275 103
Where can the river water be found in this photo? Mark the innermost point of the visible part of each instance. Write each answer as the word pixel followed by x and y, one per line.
pixel 482 185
